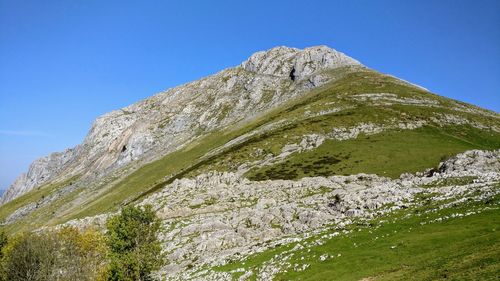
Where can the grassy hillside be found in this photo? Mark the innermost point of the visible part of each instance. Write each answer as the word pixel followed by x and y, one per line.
pixel 388 154
pixel 33 196
pixel 408 150
pixel 334 105
pixel 421 243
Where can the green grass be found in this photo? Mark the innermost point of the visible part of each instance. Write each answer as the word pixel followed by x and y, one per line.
pixel 462 248
pixel 389 154
pixel 466 248
pixel 33 196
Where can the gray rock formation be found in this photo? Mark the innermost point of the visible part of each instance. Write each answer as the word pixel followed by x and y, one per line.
pixel 294 63
pixel 164 122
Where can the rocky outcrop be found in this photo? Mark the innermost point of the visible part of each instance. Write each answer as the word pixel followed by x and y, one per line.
pixel 216 217
pixel 166 121
pixel 219 216
pixel 294 63
pixel 469 162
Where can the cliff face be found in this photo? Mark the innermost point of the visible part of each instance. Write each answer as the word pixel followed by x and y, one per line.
pixel 166 121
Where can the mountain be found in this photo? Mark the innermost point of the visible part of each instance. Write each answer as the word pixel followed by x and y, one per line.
pixel 162 123
pixel 290 149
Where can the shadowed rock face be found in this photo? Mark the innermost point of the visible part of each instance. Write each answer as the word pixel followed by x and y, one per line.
pixel 164 122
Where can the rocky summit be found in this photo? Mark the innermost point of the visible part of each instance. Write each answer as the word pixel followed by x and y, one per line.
pixel 295 164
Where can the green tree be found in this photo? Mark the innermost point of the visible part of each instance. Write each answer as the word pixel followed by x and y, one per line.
pixel 134 245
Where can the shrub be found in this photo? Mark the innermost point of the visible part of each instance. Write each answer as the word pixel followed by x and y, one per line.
pixel 134 247
pixel 85 254
pixel 130 251
pixel 65 254
pixel 30 257
pixel 3 242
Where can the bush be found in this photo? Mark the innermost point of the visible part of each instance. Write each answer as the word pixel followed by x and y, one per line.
pixel 65 254
pixel 30 257
pixel 134 247
pixel 129 251
pixel 85 254
pixel 3 242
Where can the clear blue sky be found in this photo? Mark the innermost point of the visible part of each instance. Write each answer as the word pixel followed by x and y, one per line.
pixel 63 63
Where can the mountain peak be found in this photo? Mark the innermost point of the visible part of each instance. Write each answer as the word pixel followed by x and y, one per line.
pixel 296 63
